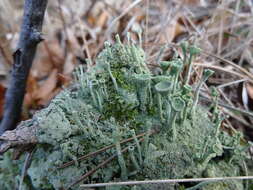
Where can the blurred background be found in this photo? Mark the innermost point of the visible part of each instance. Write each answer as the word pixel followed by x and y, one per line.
pixel 75 32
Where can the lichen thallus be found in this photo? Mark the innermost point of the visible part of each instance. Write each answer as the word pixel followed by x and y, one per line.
pixel 173 99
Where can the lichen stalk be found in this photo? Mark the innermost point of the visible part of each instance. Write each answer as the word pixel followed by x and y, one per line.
pixel 133 159
pixel 121 160
pixel 146 138
pixel 138 147
pixel 112 77
pixel 193 51
pixel 173 125
pixel 207 73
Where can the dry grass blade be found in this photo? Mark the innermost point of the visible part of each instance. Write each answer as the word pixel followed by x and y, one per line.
pixel 244 112
pixel 226 71
pixel 231 83
pixel 230 63
pixel 167 181
pixel 123 14
pixel 98 167
pixel 27 163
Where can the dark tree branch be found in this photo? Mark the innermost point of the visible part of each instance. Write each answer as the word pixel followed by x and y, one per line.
pixel 30 36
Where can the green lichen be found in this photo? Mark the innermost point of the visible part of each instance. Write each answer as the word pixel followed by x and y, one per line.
pixel 120 98
pixel 9 172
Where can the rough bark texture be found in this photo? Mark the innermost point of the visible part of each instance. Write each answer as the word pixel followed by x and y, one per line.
pixel 30 36
pixel 22 138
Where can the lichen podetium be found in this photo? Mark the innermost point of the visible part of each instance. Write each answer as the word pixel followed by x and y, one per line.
pixel 117 99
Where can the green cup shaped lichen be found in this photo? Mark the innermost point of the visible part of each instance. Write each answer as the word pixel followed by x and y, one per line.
pixel 194 50
pixel 184 45
pixel 177 104
pixel 142 79
pixel 142 83
pixel 159 78
pixel 73 126
pixel 176 67
pixel 207 73
pixel 165 65
pixel 163 87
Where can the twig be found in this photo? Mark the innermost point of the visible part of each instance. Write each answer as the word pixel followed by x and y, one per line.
pixel 30 36
pixel 27 164
pixel 98 167
pixel 62 19
pixel 199 185
pixel 231 83
pixel 224 70
pixel 23 136
pixel 230 63
pixel 147 21
pixel 110 27
pixel 163 181
pixel 97 152
pixel 244 112
pixel 92 5
pixel 237 117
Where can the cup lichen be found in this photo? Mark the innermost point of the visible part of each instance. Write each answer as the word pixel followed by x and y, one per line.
pixel 117 99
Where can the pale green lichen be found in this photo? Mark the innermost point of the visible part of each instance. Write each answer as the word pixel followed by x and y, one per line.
pixel 119 98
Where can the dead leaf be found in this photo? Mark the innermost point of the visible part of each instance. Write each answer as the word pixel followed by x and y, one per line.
pixel 46 100
pixel 172 31
pixel 47 87
pixel 91 20
pixel 70 63
pixel 51 57
pixel 64 79
pixel 32 87
pixel 101 21
pixel 191 2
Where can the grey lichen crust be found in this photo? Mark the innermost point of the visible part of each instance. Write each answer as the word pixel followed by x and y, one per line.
pixel 117 99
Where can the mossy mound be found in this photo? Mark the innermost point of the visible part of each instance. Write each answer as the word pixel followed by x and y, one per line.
pixel 118 99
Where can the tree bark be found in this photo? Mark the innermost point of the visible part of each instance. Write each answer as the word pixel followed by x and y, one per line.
pixel 30 36
pixel 22 138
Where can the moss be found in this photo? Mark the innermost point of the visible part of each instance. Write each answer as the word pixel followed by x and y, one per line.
pixel 122 80
pixel 118 99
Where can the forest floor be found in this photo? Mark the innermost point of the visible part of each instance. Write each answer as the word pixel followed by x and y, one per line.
pixel 75 32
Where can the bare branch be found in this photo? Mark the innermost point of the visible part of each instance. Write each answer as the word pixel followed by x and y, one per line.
pixel 30 36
